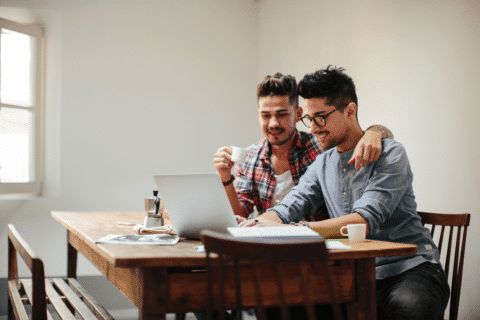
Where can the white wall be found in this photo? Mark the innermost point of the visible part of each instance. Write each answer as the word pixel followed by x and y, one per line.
pixel 144 87
pixel 135 88
pixel 416 67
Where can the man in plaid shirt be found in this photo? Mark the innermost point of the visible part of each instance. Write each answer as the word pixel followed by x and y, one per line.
pixel 276 163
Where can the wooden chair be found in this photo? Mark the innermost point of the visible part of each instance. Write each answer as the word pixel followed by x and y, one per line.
pixel 455 255
pixel 299 259
pixel 44 297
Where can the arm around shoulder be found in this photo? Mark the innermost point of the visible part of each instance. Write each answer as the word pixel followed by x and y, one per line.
pixel 384 131
pixel 368 149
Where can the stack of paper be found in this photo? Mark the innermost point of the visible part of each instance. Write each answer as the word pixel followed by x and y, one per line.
pixel 337 245
pixel 274 233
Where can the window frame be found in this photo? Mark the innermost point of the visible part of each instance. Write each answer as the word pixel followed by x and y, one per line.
pixel 35 187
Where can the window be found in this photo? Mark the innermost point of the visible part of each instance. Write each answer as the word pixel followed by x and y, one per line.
pixel 21 108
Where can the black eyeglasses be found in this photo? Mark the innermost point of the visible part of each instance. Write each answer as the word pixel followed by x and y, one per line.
pixel 320 121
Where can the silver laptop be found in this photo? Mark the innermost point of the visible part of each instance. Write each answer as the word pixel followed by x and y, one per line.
pixel 196 202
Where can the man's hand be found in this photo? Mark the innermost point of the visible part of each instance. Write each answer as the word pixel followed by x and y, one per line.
pixel 240 219
pixel 368 149
pixel 223 163
pixel 268 219
pixel 259 222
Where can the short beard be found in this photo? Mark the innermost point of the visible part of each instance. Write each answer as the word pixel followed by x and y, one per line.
pixel 332 143
pixel 285 140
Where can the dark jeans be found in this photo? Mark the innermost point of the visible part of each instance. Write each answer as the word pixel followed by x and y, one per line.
pixel 420 293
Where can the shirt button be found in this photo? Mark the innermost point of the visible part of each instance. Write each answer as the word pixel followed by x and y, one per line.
pixel 344 169
pixel 344 193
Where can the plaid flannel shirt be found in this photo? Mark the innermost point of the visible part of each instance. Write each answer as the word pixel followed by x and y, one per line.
pixel 255 183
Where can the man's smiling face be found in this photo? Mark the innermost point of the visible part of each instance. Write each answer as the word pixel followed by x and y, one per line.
pixel 277 118
pixel 334 132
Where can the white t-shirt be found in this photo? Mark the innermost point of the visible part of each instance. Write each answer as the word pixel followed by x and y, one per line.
pixel 284 183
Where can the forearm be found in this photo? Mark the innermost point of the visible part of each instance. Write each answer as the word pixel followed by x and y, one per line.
pixel 270 215
pixel 384 131
pixel 234 201
pixel 330 228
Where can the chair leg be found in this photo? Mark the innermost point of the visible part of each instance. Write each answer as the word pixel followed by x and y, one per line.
pixel 180 316
pixel 10 310
pixel 237 314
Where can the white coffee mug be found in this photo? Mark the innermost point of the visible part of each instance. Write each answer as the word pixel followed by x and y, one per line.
pixel 238 154
pixel 355 232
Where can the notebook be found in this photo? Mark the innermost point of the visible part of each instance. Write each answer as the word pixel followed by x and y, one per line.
pixel 275 233
pixel 196 202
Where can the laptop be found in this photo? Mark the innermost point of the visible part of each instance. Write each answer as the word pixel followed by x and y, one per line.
pixel 195 202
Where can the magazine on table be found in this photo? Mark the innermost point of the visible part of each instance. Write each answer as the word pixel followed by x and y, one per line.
pixel 139 239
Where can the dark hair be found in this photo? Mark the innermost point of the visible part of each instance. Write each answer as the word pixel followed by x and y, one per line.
pixel 332 84
pixel 279 85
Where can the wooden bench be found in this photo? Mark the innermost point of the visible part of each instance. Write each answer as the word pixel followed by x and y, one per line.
pixel 44 297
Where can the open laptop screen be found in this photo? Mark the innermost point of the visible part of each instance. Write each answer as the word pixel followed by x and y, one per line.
pixel 195 202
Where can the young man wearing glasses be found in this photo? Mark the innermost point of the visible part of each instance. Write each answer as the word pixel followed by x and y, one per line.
pixel 276 163
pixel 380 195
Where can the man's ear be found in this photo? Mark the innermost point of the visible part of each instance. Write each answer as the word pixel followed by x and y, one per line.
pixel 351 110
pixel 298 113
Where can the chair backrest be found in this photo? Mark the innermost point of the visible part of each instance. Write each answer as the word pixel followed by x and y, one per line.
pixel 453 258
pixel 16 244
pixel 276 257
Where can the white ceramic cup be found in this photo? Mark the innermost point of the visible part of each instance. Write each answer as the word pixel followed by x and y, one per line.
pixel 238 154
pixel 355 232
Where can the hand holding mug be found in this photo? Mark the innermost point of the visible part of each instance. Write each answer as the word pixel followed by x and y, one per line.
pixel 223 162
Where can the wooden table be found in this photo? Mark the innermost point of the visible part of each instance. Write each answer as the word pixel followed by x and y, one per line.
pixel 171 279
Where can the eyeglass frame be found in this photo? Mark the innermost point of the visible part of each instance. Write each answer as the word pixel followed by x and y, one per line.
pixel 324 117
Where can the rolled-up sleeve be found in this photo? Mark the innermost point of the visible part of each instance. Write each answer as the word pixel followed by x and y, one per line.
pixel 387 185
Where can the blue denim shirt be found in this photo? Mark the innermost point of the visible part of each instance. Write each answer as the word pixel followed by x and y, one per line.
pixel 380 192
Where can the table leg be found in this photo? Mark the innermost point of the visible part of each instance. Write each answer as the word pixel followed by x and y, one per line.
pixel 366 289
pixel 71 259
pixel 152 290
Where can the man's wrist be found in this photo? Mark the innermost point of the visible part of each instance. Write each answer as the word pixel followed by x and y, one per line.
pixel 226 183
pixel 302 223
